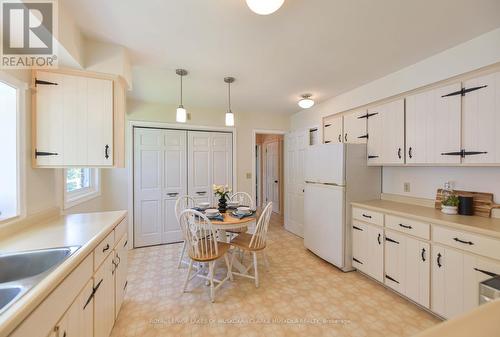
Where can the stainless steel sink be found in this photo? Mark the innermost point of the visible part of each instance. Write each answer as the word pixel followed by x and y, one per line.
pixel 21 271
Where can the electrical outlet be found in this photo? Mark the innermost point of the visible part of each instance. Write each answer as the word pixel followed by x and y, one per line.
pixel 406 187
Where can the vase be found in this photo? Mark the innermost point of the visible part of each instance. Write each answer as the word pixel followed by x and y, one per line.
pixel 451 210
pixel 222 205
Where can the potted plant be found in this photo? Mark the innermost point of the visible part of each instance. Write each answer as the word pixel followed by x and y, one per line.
pixel 222 192
pixel 450 205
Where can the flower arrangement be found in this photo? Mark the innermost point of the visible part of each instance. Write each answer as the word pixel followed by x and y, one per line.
pixel 221 191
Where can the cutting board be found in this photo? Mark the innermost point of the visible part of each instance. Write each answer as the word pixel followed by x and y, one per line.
pixel 483 202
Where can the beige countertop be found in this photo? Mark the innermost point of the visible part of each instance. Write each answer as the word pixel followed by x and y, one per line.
pixel 85 230
pixel 475 224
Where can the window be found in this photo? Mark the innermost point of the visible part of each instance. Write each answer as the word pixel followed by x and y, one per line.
pixel 81 184
pixel 11 168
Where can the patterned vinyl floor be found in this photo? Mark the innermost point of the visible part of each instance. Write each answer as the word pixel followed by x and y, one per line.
pixel 300 295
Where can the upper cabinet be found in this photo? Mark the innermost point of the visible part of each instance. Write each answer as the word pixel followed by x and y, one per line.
pixel 481 120
pixel 386 134
pixel 433 126
pixel 333 129
pixel 349 128
pixel 78 119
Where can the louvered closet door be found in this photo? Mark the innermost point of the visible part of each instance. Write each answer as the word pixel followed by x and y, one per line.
pixel 148 182
pixel 174 181
pixel 199 166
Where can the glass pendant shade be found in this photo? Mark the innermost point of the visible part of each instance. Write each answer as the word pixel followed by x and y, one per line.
pixel 264 7
pixel 229 119
pixel 181 115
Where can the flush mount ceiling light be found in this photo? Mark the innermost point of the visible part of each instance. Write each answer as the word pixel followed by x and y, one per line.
pixel 264 7
pixel 229 113
pixel 306 102
pixel 181 114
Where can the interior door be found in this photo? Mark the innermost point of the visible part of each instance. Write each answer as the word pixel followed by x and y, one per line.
pixel 148 186
pixel 272 175
pixel 174 181
pixel 199 166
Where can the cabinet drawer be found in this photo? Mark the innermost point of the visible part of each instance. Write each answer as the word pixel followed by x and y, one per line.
pixel 103 249
pixel 368 216
pixel 408 226
pixel 474 243
pixel 121 229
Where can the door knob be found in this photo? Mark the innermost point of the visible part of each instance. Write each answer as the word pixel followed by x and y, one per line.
pixel 276 181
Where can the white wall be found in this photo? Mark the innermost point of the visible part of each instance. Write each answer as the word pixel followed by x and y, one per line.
pixel 477 53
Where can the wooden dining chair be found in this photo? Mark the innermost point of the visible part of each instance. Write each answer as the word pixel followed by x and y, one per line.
pixel 203 247
pixel 254 243
pixel 244 199
pixel 184 202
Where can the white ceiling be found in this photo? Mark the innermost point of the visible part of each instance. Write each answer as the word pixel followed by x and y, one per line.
pixel 324 47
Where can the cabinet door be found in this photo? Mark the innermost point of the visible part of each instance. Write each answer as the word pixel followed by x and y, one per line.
pixel 417 271
pixel 395 260
pixel 433 126
pixel 481 120
pixel 476 270
pixel 447 282
pixel 100 122
pixel 174 181
pixel 386 134
pixel 355 128
pixel 375 252
pixel 104 299
pixel 333 129
pixel 359 240
pixel 199 166
pixel 121 261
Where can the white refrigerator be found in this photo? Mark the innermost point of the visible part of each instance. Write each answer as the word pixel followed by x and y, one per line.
pixel 335 176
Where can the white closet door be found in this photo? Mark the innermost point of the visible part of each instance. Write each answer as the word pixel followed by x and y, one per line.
pixel 148 182
pixel 174 181
pixel 272 175
pixel 221 158
pixel 199 166
pixel 100 122
pixel 481 120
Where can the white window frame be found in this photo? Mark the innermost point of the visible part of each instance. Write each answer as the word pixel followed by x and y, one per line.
pixel 21 88
pixel 82 195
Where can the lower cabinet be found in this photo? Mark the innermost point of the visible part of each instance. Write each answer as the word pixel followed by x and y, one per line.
pixel 368 249
pixel 455 280
pixel 104 298
pixel 121 263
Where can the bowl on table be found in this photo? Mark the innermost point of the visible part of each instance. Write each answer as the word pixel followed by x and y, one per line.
pixel 211 212
pixel 233 204
pixel 243 210
pixel 203 205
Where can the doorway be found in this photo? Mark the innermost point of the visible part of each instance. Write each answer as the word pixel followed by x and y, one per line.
pixel 269 171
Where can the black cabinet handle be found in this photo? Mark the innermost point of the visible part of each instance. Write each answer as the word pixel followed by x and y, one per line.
pixel 391 240
pixel 366 216
pixel 405 226
pixel 438 260
pixel 173 194
pixel 423 254
pixel 399 153
pixel 345 137
pixel 340 138
pixel 125 286
pixel 201 193
pixel 390 278
pixel 357 228
pixel 105 248
pixel 327 141
pixel 470 243
pixel 106 151
pixel 410 152
pixel 378 238
pixel 327 125
pixel 489 273
pixel 356 260
pixel 371 157
pixel 44 153
pixel 125 244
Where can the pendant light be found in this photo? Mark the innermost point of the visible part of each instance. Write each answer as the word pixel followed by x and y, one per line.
pixel 264 7
pixel 306 102
pixel 181 114
pixel 229 113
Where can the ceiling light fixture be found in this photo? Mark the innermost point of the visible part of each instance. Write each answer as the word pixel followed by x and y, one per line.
pixel 306 102
pixel 264 7
pixel 229 113
pixel 181 114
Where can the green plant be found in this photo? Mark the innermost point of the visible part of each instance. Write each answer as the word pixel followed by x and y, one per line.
pixel 452 200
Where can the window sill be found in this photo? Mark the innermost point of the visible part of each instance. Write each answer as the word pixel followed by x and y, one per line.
pixel 77 200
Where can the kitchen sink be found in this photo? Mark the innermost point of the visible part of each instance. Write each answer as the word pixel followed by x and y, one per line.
pixel 21 271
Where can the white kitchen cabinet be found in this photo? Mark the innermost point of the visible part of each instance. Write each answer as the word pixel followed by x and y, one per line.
pixel 368 249
pixel 386 134
pixel 78 120
pixel 433 125
pixel 455 280
pixel 355 127
pixel 104 298
pixel 333 129
pixel 121 265
pixel 481 120
pixel 395 261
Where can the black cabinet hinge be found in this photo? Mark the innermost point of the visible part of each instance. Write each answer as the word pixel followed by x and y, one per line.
pixel 462 153
pixel 368 115
pixel 371 157
pixel 357 228
pixel 390 278
pixel 44 153
pixel 489 273
pixel 41 82
pixel 391 240
pixel 356 260
pixel 363 136
pixel 464 91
